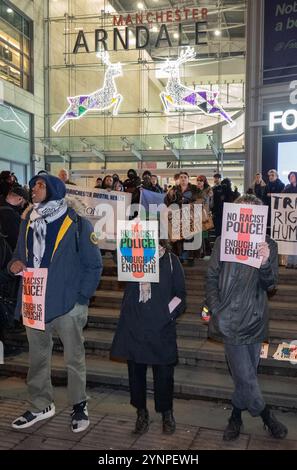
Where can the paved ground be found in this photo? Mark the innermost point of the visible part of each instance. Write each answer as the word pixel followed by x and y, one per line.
pixel 200 425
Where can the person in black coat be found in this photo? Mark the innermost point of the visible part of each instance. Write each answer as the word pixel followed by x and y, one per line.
pixel 274 186
pixel 146 335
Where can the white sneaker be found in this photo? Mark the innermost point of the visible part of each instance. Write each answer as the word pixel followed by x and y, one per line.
pixel 29 417
pixel 79 417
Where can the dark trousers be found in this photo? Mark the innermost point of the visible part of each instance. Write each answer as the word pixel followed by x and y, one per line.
pixel 163 385
pixel 243 361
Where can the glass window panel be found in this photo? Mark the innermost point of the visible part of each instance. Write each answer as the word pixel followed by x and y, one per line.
pixel 26 28
pixel 26 65
pixel 9 73
pixel 10 35
pixel 12 45
pixel 10 55
pixel 26 82
pixel 26 46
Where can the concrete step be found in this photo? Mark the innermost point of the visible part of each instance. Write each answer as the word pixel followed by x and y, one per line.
pixel 189 381
pixel 199 352
pixel 109 298
pixel 191 325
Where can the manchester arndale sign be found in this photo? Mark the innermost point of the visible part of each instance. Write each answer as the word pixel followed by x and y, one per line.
pixel 286 119
pixel 149 27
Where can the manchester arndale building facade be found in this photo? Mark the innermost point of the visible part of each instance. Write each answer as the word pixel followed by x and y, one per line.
pixel 51 50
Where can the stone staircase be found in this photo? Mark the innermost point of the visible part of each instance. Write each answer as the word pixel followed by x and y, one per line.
pixel 202 371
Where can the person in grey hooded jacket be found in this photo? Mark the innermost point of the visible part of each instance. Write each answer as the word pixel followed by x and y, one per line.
pixel 237 298
pixel 53 236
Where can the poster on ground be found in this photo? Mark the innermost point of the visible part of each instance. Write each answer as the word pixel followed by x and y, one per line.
pixel 33 299
pixel 244 227
pixel 137 251
pixel 284 222
pixel 286 352
pixel 103 209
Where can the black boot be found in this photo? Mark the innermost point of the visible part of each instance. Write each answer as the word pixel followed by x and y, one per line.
pixel 168 422
pixel 142 422
pixel 232 430
pixel 276 429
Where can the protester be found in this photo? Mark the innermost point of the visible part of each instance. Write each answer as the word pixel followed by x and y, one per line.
pixel 155 184
pixel 259 187
pixel 146 335
pixel 7 180
pixel 274 186
pixel 217 178
pixel 237 297
pixel 132 185
pixel 222 192
pixel 176 179
pixel 184 193
pixel 99 182
pixel 206 195
pixel 53 236
pixel 107 183
pixel 117 186
pixel 64 176
pixel 11 208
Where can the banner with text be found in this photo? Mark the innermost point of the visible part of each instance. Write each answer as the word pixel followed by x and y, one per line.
pixel 137 250
pixel 284 222
pixel 244 227
pixel 33 301
pixel 280 26
pixel 103 209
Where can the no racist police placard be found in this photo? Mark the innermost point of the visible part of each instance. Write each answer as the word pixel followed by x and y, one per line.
pixel 137 251
pixel 244 227
pixel 33 301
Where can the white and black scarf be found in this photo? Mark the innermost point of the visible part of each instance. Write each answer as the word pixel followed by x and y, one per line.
pixel 43 214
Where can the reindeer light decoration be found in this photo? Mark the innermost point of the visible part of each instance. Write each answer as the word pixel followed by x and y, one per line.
pixel 7 114
pixel 178 96
pixel 100 100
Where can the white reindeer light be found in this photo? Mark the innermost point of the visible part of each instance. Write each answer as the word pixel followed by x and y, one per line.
pixel 104 98
pixel 178 96
pixel 7 114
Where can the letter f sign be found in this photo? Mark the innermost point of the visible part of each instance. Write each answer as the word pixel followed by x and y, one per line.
pixel 275 117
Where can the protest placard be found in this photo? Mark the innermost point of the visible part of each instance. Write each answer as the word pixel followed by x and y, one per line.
pixel 243 228
pixel 284 222
pixel 286 352
pixel 103 209
pixel 33 300
pixel 137 251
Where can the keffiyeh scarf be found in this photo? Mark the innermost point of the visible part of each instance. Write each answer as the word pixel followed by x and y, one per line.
pixel 42 215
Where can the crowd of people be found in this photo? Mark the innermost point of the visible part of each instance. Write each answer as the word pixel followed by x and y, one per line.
pixel 40 230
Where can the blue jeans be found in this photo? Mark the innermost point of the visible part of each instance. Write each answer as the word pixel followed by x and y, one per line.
pixel 243 361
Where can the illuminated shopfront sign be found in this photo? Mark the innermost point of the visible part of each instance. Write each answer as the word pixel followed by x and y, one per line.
pixel 141 24
pixel 287 119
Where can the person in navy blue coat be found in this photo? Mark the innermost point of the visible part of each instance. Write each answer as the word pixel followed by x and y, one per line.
pixel 54 237
pixel 146 335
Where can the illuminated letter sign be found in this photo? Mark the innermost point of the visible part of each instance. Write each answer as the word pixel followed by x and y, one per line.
pixel 287 119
